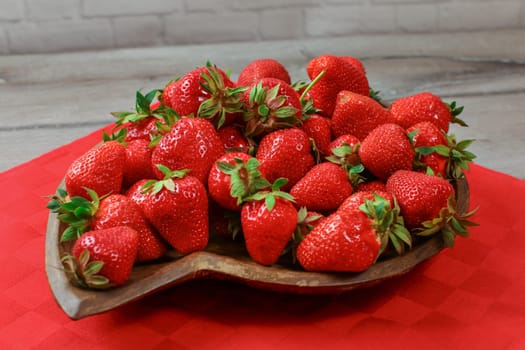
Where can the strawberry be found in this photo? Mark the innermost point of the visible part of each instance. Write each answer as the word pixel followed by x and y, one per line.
pixel 323 188
pixel 268 221
pixel 425 106
pixel 354 201
pixel 233 139
pixel 428 204
pixel 233 177
pixel 177 206
pixel 427 134
pixel 270 104
pixel 385 150
pixel 344 151
pixel 318 129
pixel 191 144
pixel 351 241
pixel 119 210
pixel 338 75
pixel 285 153
pixel 101 169
pixel 205 92
pixel 263 68
pixel 102 258
pixel 373 186
pixel 137 165
pixel 357 115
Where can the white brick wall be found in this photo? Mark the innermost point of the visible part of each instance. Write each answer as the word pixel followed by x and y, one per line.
pixel 28 26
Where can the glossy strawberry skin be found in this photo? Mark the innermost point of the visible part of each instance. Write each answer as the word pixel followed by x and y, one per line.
pixel 340 243
pixel 143 129
pixel 339 75
pixel 192 144
pixel 219 184
pixel 138 162
pixel 233 139
pixel 428 134
pixel 385 150
pixel 263 68
pixel 100 169
pixel 423 106
pixel 285 153
pixel 116 247
pixel 266 233
pixel 357 115
pixel 119 210
pixel 323 188
pixel 180 216
pixel 420 196
pixel 318 129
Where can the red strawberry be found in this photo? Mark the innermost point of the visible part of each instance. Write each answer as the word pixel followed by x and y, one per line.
pixel 385 150
pixel 357 115
pixel 373 186
pixel 204 92
pixel 119 210
pixel 428 203
pixel 177 207
pixel 138 162
pixel 191 144
pixel 271 104
pixel 427 134
pixel 263 68
pixel 318 129
pixel 425 106
pixel 233 139
pixel 232 178
pixel 268 222
pixel 346 147
pixel 354 201
pixel 285 153
pixel 103 258
pixel 100 169
pixel 323 188
pixel 338 75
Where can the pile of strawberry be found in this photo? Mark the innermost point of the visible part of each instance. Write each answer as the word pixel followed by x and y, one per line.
pixel 320 171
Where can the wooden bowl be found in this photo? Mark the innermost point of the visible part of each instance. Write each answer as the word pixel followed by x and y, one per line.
pixel 225 260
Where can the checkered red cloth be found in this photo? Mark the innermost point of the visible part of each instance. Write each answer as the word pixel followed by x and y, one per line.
pixel 468 297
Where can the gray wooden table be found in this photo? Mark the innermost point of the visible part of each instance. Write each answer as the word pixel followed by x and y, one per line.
pixel 49 100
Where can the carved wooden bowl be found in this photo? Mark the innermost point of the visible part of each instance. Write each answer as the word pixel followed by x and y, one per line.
pixel 227 260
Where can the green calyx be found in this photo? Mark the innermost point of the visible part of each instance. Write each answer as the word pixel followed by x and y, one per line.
pixel 458 158
pixel 454 112
pixel 271 196
pixel 267 110
pixel 347 156
pixel 449 223
pixel 223 100
pixel 84 273
pixel 388 223
pixel 245 178
pixel 155 186
pixel 76 212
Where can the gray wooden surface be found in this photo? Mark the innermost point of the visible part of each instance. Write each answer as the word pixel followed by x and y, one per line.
pixel 49 100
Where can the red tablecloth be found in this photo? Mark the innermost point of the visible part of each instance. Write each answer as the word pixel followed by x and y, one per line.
pixel 468 297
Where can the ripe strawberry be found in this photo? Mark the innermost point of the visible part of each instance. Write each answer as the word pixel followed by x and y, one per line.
pixel 373 186
pixel 354 201
pixel 233 139
pixel 177 206
pixel 344 150
pixel 204 92
pixel 318 129
pixel 102 258
pixel 323 188
pixel 385 150
pixel 263 68
pixel 352 240
pixel 425 106
pixel 427 134
pixel 100 169
pixel 119 210
pixel 270 104
pixel 285 153
pixel 338 75
pixel 137 165
pixel 357 115
pixel 268 222
pixel 428 202
pixel 191 144
pixel 232 178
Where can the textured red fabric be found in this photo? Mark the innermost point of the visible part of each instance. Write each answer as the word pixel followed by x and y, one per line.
pixel 470 296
